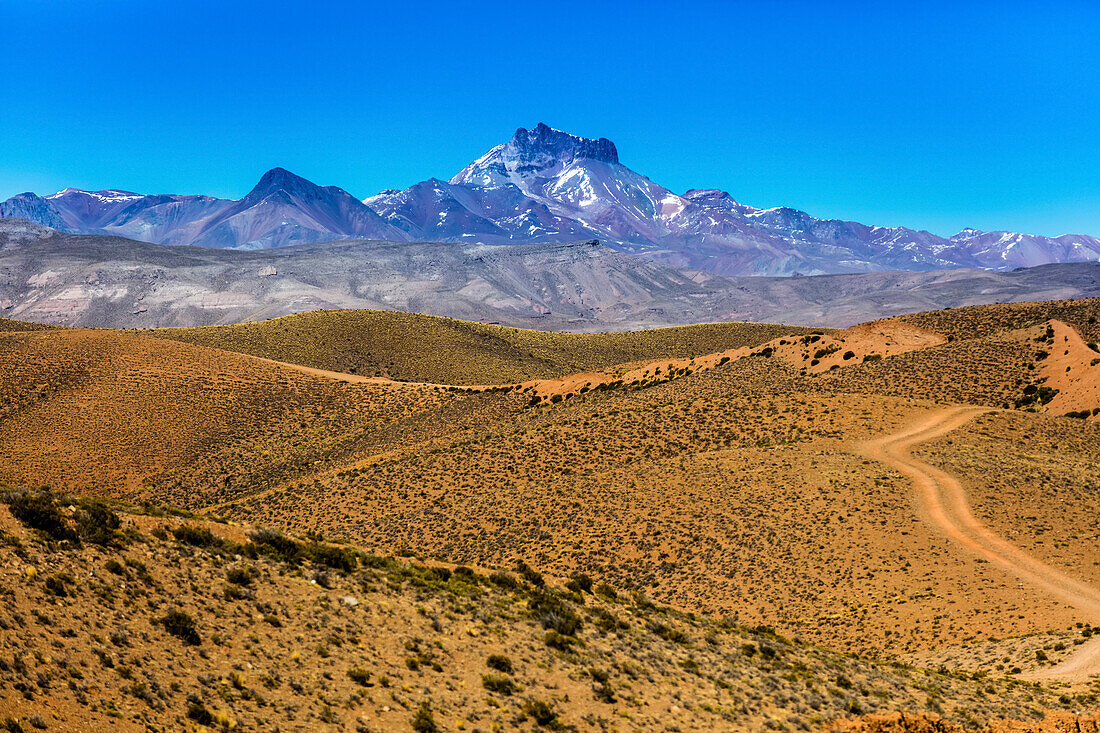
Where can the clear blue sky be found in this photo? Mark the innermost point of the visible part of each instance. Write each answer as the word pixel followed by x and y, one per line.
pixel 926 114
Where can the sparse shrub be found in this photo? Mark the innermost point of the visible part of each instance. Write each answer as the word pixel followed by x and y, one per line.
pixel 359 676
pixel 56 584
pixel 580 583
pixel 181 625
pixel 503 580
pixel 500 663
pixel 240 575
pixel 607 621
pixel 553 614
pixel 668 633
pixel 605 590
pixel 337 558
pixel 98 524
pixel 275 543
pixel 198 712
pixel 604 693
pixel 529 574
pixel 38 510
pixel 498 683
pixel 424 720
pixel 561 642
pixel 872 357
pixel 848 355
pixel 114 566
pixel 193 534
pixel 438 574
pixel 541 712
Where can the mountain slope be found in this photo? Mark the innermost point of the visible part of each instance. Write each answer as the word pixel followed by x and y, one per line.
pixel 281 209
pixel 287 209
pixel 584 187
pixel 545 185
pixel 224 621
pixel 80 280
pixel 109 281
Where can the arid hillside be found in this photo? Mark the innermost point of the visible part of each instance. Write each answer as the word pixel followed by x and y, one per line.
pixel 417 348
pixel 101 411
pixel 139 619
pixel 725 482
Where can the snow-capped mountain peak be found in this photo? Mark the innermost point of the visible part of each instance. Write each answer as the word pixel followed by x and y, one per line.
pixel 541 151
pixel 545 185
pixel 966 234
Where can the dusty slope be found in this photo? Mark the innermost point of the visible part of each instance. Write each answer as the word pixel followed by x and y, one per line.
pixel 100 411
pixel 165 624
pixel 419 348
pixel 944 505
pixel 700 488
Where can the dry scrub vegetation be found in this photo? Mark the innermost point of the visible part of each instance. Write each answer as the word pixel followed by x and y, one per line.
pixel 416 348
pixel 134 618
pixel 714 469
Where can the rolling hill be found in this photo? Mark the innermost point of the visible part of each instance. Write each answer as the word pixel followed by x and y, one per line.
pixel 910 491
pixel 415 348
pixel 200 626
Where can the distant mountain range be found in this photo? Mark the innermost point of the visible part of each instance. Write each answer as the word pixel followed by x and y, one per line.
pixel 102 280
pixel 545 185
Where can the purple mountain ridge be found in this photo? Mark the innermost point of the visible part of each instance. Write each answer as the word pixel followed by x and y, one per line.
pixel 544 185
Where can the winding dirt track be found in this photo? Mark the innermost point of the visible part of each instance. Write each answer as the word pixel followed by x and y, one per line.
pixel 942 503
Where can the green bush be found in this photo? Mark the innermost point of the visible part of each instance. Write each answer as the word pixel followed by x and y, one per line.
pixel 39 511
pixel 498 683
pixel 359 676
pixel 181 625
pixel 549 610
pixel 500 663
pixel 240 575
pixel 275 543
pixel 424 720
pixel 542 713
pixel 192 534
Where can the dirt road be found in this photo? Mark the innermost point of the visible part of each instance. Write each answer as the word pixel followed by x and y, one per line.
pixel 942 503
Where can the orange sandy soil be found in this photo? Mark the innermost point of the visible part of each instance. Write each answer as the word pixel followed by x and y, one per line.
pixel 736 488
pixel 277 645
